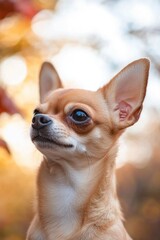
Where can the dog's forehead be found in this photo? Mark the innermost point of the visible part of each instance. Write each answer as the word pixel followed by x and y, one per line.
pixel 64 96
pixel 63 100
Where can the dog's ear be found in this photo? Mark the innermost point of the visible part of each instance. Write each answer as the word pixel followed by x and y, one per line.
pixel 48 80
pixel 125 93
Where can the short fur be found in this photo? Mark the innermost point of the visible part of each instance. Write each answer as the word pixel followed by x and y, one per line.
pixel 76 185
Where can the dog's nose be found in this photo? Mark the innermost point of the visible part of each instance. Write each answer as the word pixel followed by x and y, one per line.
pixel 40 121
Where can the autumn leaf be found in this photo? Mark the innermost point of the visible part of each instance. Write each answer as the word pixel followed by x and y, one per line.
pixel 25 7
pixel 6 103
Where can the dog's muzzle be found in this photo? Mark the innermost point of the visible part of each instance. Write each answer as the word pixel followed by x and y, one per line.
pixel 43 134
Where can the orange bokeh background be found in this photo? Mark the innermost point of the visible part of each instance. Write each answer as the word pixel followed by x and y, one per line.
pixel 88 42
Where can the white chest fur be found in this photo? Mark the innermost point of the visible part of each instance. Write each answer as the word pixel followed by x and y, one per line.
pixel 62 194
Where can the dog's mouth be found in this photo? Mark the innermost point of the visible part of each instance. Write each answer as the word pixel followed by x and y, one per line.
pixel 46 142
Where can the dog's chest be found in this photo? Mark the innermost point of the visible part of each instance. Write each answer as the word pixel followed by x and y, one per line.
pixel 60 205
pixel 62 197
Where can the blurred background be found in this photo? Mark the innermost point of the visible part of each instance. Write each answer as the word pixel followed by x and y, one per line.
pixel 88 41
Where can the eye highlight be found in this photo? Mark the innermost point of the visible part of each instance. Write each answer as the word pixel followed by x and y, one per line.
pixel 79 116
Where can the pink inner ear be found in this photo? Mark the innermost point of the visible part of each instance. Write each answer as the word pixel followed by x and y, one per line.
pixel 124 110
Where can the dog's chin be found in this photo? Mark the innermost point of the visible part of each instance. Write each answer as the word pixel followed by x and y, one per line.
pixel 46 143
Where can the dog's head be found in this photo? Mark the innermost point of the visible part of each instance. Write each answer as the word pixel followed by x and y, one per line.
pixel 76 123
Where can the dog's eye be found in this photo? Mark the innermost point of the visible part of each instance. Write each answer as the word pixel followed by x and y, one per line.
pixel 79 116
pixel 36 111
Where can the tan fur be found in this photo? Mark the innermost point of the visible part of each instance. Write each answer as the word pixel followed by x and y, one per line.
pixel 76 186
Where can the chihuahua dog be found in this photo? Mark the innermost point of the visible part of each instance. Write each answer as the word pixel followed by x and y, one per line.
pixel 77 132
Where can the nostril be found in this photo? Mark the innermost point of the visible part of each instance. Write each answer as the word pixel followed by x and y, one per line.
pixel 44 120
pixel 33 120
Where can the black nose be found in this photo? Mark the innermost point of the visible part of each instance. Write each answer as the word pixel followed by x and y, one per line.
pixel 40 121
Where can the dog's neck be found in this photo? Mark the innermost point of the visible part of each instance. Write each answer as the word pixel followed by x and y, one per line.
pixel 74 198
